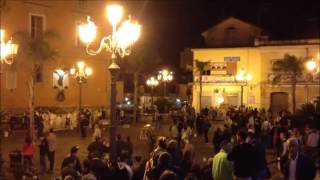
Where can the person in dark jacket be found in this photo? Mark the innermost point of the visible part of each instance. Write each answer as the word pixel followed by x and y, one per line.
pixel 97 147
pixel 120 144
pixel 205 127
pixel 295 165
pixel 72 160
pixel 217 139
pixel 261 168
pixel 84 123
pixel 244 157
pixel 99 168
pixel 44 151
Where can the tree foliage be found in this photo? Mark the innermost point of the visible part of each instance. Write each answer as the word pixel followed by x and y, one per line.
pixel 200 68
pixel 291 66
pixel 307 114
pixel 37 51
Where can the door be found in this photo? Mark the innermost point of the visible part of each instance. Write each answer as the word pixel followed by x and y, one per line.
pixel 233 100
pixel 206 102
pixel 279 101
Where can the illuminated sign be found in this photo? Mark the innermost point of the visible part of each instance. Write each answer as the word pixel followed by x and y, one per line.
pixel 218 79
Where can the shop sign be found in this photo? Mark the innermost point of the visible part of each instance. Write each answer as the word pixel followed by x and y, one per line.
pixel 218 79
pixel 232 58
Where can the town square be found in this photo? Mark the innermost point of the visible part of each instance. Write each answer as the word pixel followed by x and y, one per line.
pixel 159 90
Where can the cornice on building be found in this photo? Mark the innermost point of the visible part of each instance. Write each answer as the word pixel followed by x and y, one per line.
pixel 263 42
pixel 37 3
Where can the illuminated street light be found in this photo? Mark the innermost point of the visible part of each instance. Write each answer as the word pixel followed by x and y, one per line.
pixel 311 65
pixel 80 72
pixel 313 68
pixel 7 49
pixel 119 45
pixel 243 78
pixel 152 82
pixel 165 76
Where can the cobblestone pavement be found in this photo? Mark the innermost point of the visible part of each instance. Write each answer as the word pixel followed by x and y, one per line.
pixel 67 139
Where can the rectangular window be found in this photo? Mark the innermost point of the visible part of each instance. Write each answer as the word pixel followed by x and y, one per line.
pixel 218 68
pixel 36 25
pixel 231 68
pixel 82 4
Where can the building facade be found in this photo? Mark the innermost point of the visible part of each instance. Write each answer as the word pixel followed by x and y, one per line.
pixel 220 85
pixel 63 17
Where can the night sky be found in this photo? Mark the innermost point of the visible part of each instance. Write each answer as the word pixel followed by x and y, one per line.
pixel 172 25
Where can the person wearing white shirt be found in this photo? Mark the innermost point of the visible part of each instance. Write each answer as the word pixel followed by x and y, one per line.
pixel 312 144
pixel 97 132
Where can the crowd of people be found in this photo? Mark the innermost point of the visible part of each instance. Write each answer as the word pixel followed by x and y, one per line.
pixel 44 119
pixel 240 146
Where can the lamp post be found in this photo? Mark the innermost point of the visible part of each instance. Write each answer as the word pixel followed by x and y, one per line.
pixel 313 68
pixel 243 78
pixel 80 72
pixel 118 44
pixel 7 51
pixel 165 76
pixel 152 82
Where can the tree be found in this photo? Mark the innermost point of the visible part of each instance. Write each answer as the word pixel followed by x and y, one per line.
pixel 200 68
pixel 290 66
pixel 37 51
pixel 142 58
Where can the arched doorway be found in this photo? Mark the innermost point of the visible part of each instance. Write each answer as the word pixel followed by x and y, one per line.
pixel 279 101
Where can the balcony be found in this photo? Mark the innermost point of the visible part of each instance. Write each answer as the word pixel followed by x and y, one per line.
pixel 285 79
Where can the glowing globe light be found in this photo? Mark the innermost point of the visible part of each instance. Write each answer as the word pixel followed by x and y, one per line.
pixel 311 65
pixel 87 32
pixel 114 14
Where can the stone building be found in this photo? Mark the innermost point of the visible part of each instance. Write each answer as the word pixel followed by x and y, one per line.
pixel 63 17
pixel 234 45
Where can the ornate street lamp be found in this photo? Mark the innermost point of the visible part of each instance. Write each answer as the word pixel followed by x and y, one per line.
pixel 7 49
pixel 313 68
pixel 118 44
pixel 152 82
pixel 165 76
pixel 80 72
pixel 243 78
pixel 311 65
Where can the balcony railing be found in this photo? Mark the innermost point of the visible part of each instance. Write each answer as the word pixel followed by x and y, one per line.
pixel 286 78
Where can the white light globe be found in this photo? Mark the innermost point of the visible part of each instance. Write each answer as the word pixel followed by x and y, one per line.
pixel 311 65
pixel 114 13
pixel 87 32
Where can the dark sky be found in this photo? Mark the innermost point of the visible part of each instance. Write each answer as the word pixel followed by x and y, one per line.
pixel 172 25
